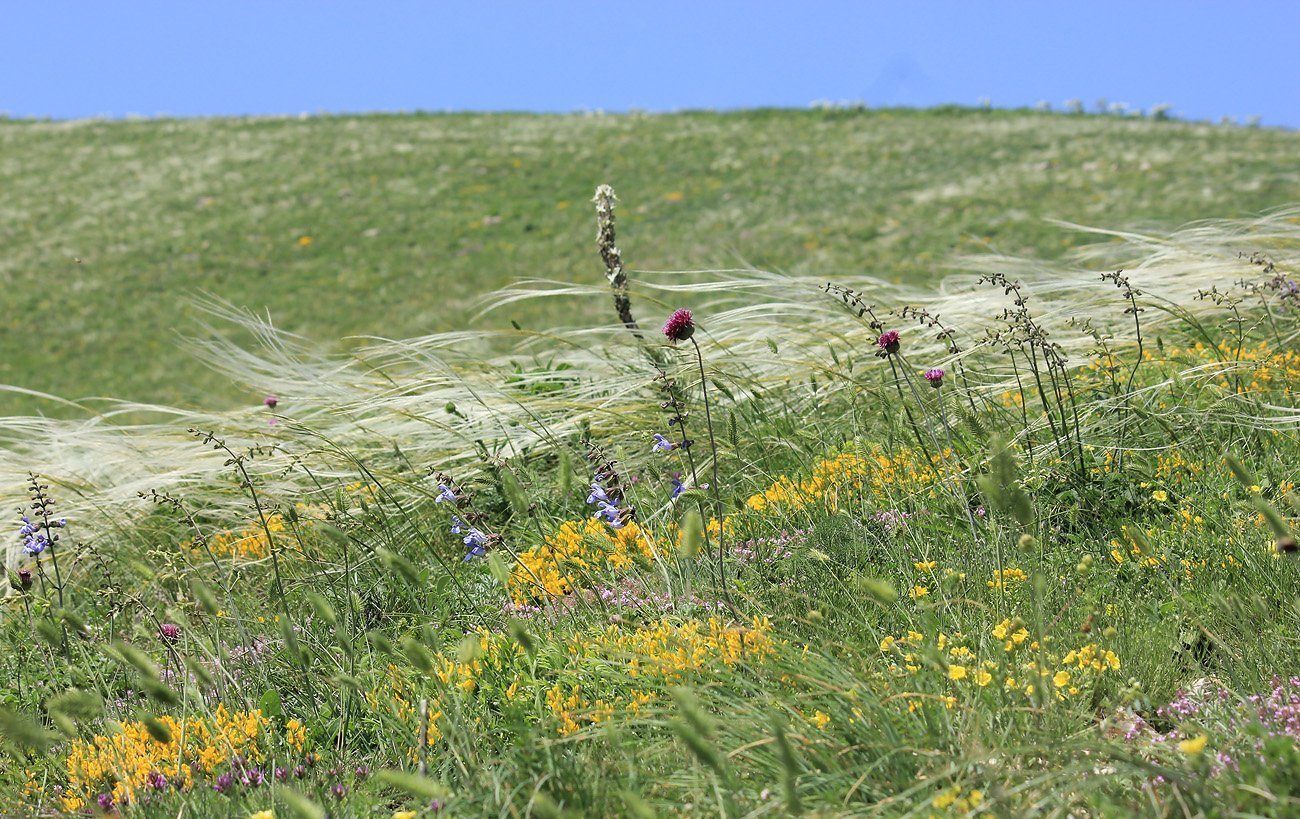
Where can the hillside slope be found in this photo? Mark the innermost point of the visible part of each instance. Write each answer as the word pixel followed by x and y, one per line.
pixel 394 225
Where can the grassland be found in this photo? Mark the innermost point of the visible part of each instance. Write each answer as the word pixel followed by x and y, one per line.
pixel 395 226
pixel 783 567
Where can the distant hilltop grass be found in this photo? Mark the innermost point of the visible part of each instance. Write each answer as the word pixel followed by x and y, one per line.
pixel 396 226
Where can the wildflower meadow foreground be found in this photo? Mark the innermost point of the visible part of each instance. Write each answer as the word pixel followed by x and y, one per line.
pixel 760 545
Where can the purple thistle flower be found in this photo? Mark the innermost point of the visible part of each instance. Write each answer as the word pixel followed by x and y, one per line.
pixel 663 444
pixel 25 578
pixel 680 325
pixel 170 632
pixel 888 342
pixel 935 377
pixel 270 401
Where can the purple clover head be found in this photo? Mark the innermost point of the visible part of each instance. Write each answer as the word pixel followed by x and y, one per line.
pixel 253 777
pixel 362 771
pixel 889 342
pixel 105 802
pixel 663 444
pixel 339 790
pixel 156 780
pixel 270 401
pixel 281 774
pixel 169 632
pixel 223 783
pixel 935 377
pixel 299 771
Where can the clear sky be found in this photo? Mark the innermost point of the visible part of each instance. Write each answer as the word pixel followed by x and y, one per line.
pixel 66 59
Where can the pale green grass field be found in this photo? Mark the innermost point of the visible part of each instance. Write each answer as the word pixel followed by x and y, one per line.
pixel 412 219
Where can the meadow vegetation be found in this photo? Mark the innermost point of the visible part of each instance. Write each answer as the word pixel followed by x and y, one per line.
pixel 396 226
pixel 824 545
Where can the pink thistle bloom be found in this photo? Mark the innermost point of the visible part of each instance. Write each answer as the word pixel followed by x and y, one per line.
pixel 680 325
pixel 935 377
pixel 170 632
pixel 888 341
pixel 271 401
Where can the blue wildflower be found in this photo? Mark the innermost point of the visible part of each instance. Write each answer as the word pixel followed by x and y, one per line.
pixel 476 542
pixel 34 541
pixel 612 515
pixel 598 494
pixel 457 525
pixel 663 444
pixel 678 487
pixel 445 495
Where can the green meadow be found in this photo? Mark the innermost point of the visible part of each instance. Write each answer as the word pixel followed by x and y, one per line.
pixel 871 463
pixel 111 230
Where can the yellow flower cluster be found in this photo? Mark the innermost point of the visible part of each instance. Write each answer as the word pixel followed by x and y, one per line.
pixel 878 474
pixel 481 657
pixel 1004 578
pixel 249 542
pixel 1265 368
pixel 664 651
pixel 669 649
pixel 122 763
pixel 572 710
pixel 396 697
pixel 910 653
pixel 578 549
pixel 951 800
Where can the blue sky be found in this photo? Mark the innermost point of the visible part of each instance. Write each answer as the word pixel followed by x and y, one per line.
pixel 183 58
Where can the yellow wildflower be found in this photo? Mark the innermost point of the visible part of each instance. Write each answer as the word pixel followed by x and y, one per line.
pixel 1194 746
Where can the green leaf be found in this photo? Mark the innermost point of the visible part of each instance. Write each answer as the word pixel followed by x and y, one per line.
pixel 415 784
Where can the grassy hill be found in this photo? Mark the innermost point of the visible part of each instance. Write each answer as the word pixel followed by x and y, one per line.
pixel 1022 541
pixel 394 226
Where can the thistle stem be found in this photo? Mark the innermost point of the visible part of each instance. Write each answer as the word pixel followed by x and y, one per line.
pixel 717 498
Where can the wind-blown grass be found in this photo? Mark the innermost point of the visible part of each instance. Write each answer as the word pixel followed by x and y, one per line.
pixel 1061 581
